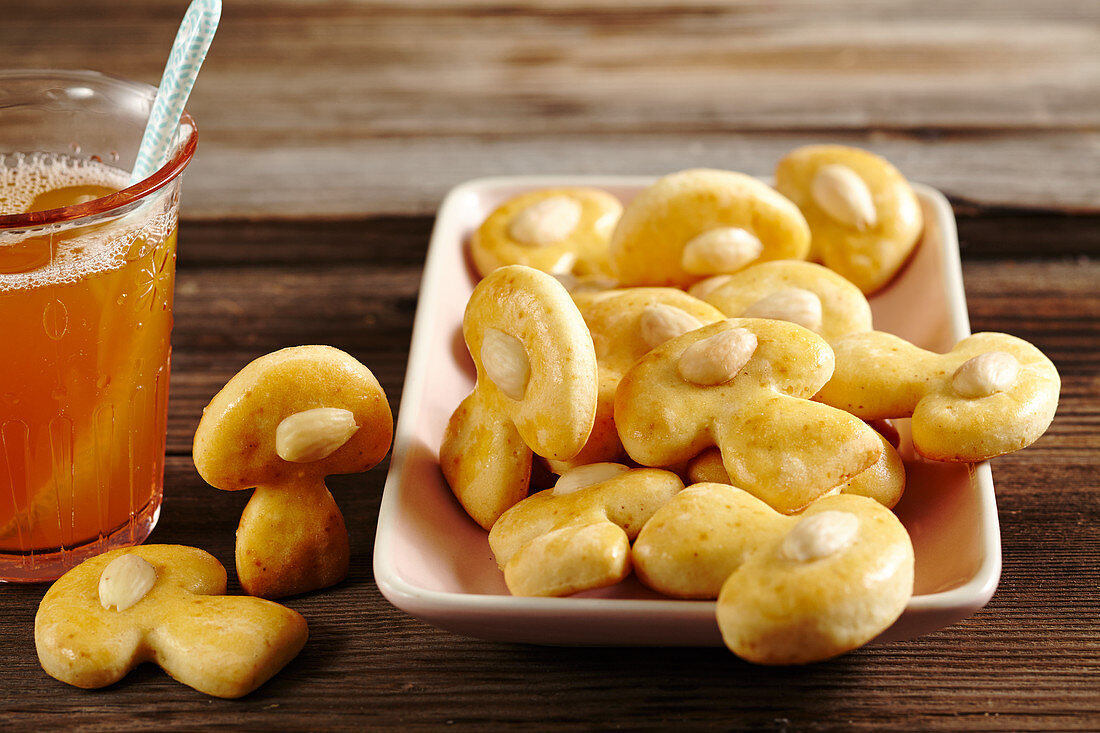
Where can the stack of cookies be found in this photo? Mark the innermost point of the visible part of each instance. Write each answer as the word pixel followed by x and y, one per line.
pixel 715 332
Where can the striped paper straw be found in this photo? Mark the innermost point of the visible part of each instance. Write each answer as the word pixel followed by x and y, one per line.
pixel 188 52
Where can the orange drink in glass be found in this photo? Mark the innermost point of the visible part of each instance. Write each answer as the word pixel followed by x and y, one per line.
pixel 87 264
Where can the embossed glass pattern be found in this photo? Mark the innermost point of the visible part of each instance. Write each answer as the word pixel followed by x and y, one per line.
pixel 85 324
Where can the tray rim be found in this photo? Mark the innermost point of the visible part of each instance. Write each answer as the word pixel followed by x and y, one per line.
pixel 467 613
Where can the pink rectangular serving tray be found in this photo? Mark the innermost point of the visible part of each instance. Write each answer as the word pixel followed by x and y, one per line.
pixel 433 562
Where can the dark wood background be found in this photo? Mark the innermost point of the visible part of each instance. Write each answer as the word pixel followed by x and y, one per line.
pixel 329 132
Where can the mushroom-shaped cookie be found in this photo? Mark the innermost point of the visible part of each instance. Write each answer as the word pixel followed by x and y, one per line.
pixel 744 385
pixel 863 214
pixel 562 231
pixel 281 425
pixel 576 536
pixel 693 543
pixel 698 223
pixel 991 394
pixel 800 292
pixel 162 604
pixel 836 577
pixel 535 390
pixel 790 589
pixel 884 481
pixel 625 324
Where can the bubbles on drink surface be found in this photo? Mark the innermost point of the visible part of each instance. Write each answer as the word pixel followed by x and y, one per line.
pixel 65 252
pixel 39 181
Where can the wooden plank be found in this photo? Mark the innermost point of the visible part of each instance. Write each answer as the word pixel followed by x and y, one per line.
pixel 1026 661
pixel 395 68
pixel 333 109
pixel 353 178
pixel 226 316
pixel 394 241
pixel 330 129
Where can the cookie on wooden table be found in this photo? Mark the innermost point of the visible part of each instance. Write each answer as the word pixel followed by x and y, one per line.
pixel 162 604
pixel 281 425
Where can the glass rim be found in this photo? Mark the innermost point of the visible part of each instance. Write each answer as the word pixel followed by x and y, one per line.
pixel 105 204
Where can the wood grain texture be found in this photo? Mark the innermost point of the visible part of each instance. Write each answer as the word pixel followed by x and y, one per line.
pixel 1052 171
pixel 330 108
pixel 331 129
pixel 1028 660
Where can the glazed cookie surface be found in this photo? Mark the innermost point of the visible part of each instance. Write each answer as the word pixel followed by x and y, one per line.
pixel 625 324
pixel 744 385
pixel 801 292
pixel 576 536
pixel 557 230
pixel 883 481
pixel 864 217
pixel 991 394
pixel 835 578
pixel 162 604
pixel 701 222
pixel 281 425
pixel 535 391
pixel 694 542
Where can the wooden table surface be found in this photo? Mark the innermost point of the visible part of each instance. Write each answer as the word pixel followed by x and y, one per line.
pixel 331 129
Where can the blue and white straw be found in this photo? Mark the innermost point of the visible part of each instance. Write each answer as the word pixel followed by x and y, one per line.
pixel 197 29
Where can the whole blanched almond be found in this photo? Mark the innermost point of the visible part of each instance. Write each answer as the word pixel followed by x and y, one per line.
pixel 505 361
pixel 311 435
pixel 844 196
pixel 578 478
pixel 720 250
pixel 661 322
pixel 986 374
pixel 546 222
pixel 125 581
pixel 795 305
pixel 820 535
pixel 718 358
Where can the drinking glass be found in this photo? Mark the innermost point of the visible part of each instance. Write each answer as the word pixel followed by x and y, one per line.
pixel 85 323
